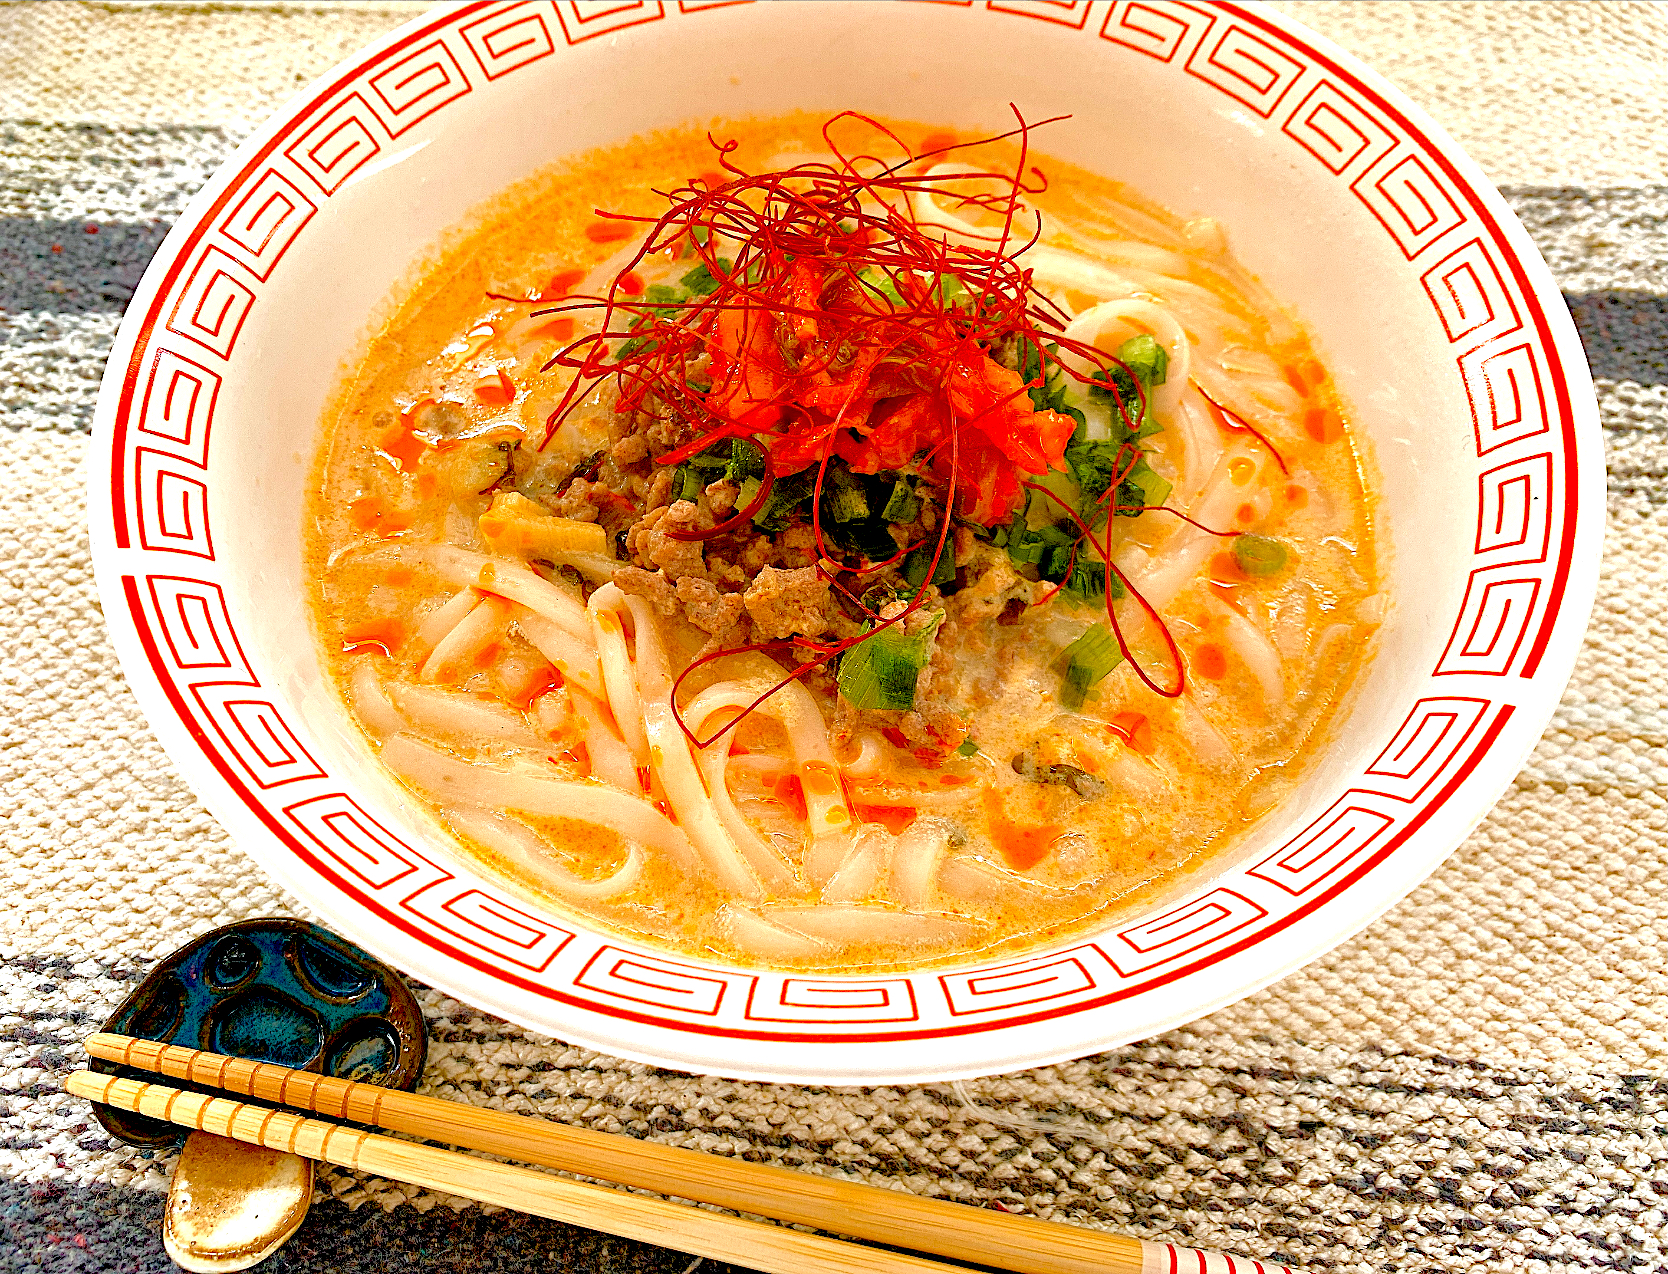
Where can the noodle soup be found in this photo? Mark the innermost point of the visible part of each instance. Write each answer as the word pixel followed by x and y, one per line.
pixel 877 549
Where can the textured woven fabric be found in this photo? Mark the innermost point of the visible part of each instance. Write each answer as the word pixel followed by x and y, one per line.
pixel 1476 1082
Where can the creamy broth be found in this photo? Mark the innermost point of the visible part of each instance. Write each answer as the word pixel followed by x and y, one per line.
pixel 511 569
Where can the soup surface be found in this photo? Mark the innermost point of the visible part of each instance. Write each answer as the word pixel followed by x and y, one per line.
pixel 870 550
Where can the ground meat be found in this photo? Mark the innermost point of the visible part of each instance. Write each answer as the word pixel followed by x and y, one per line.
pixel 921 617
pixel 660 489
pixel 630 449
pixel 707 608
pixel 798 546
pixel 650 584
pixel 759 553
pixel 721 496
pixel 723 571
pixel 666 434
pixel 577 502
pixel 786 602
pixel 933 731
pixel 991 584
pixel 651 546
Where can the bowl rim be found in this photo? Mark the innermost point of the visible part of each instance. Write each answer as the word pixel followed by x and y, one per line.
pixel 1462 786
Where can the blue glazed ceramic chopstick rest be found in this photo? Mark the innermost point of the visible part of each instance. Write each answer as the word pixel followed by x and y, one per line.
pixel 281 991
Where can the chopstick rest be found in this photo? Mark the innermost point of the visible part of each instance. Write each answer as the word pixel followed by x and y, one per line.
pixel 954 1230
pixel 286 991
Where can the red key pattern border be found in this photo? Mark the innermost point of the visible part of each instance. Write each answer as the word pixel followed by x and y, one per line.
pixel 1504 353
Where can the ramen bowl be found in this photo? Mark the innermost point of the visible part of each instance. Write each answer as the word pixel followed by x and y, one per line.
pixel 1443 330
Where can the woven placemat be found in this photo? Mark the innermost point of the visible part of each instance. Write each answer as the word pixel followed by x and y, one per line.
pixel 1476 1082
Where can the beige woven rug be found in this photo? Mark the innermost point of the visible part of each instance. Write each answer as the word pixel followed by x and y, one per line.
pixel 1476 1082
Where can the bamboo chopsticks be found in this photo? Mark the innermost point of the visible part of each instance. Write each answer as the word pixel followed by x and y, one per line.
pixel 952 1230
pixel 771 1248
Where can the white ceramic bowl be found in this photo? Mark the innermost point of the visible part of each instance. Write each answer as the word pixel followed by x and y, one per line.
pixel 1442 326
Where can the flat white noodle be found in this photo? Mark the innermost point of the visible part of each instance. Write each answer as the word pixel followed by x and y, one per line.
pixel 439 622
pixel 827 817
pixel 713 761
pixel 503 576
pixel 454 782
pixel 915 859
pixel 852 925
pixel 607 609
pixel 860 872
pixel 1126 771
pixel 765 940
pixel 978 881
pixel 524 847
pixel 871 755
pixel 371 702
pixel 1201 444
pixel 598 567
pixel 576 660
pixel 1271 407
pixel 480 628
pixel 611 760
pixel 552 713
pixel 760 765
pixel 1173 566
pixel 1046 264
pixel 1202 738
pixel 1257 652
pixel 670 759
pixel 461 718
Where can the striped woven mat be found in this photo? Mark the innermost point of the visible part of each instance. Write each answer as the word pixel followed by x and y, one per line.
pixel 1476 1082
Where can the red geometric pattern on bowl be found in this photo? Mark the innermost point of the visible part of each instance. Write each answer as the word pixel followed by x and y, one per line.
pixel 509 39
pixel 1066 13
pixel 173 601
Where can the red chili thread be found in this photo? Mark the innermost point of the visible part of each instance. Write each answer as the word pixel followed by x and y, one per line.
pixel 1111 610
pixel 793 347
pixel 1235 423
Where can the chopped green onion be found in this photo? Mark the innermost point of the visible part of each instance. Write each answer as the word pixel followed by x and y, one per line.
pixel 919 561
pixel 1088 581
pixel 1147 363
pixel 1087 660
pixel 746 461
pixel 880 283
pixel 785 496
pixel 1146 358
pixel 1093 465
pixel 1050 395
pixel 687 483
pixel 968 748
pixel 1143 489
pixel 902 506
pixel 700 280
pixel 634 345
pixel 1039 547
pixel 1259 555
pixel 843 497
pixel 660 294
pixel 881 671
